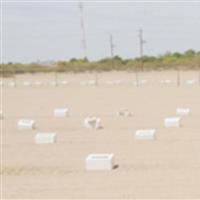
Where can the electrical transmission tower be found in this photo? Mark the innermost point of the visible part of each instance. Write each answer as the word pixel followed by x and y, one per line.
pixel 83 40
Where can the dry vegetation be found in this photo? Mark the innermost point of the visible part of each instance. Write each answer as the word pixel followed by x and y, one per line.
pixel 179 61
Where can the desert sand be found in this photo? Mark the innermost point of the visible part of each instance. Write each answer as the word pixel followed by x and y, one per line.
pixel 168 167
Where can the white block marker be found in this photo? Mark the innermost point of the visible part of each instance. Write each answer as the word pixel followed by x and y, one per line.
pixel 190 82
pixel 92 123
pixel 26 124
pixel 124 113
pixel 99 162
pixel 65 82
pixel 148 134
pixel 61 112
pixel 45 138
pixel 182 111
pixel 172 122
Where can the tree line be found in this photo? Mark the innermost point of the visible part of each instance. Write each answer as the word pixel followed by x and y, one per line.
pixel 189 60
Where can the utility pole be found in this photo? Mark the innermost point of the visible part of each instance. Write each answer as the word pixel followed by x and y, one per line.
pixel 141 43
pixel 56 78
pixel 83 40
pixel 112 46
pixel 141 47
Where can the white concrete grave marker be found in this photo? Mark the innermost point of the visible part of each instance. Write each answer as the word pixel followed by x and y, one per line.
pixel 146 134
pixel 182 111
pixel 190 82
pixel 99 162
pixel 172 122
pixel 61 112
pixel 26 124
pixel 92 123
pixel 65 82
pixel 45 138
pixel 124 113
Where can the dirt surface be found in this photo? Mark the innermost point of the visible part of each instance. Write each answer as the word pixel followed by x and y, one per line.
pixel 168 167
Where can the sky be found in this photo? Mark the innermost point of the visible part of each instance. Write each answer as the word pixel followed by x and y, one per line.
pixel 44 31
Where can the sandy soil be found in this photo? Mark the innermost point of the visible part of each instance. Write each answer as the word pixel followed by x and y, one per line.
pixel 168 167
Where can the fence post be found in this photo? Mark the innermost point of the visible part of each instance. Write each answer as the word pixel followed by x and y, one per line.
pixel 178 78
pixel 56 79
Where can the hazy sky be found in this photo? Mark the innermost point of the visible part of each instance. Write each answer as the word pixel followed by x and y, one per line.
pixel 35 31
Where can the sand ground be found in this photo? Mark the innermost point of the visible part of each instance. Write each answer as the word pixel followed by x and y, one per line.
pixel 168 167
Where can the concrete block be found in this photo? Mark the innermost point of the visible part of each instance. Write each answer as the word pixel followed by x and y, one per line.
pixel 182 111
pixel 99 162
pixel 146 134
pixel 26 124
pixel 92 123
pixel 65 82
pixel 45 138
pixel 172 122
pixel 61 112
pixel 190 82
pixel 124 113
